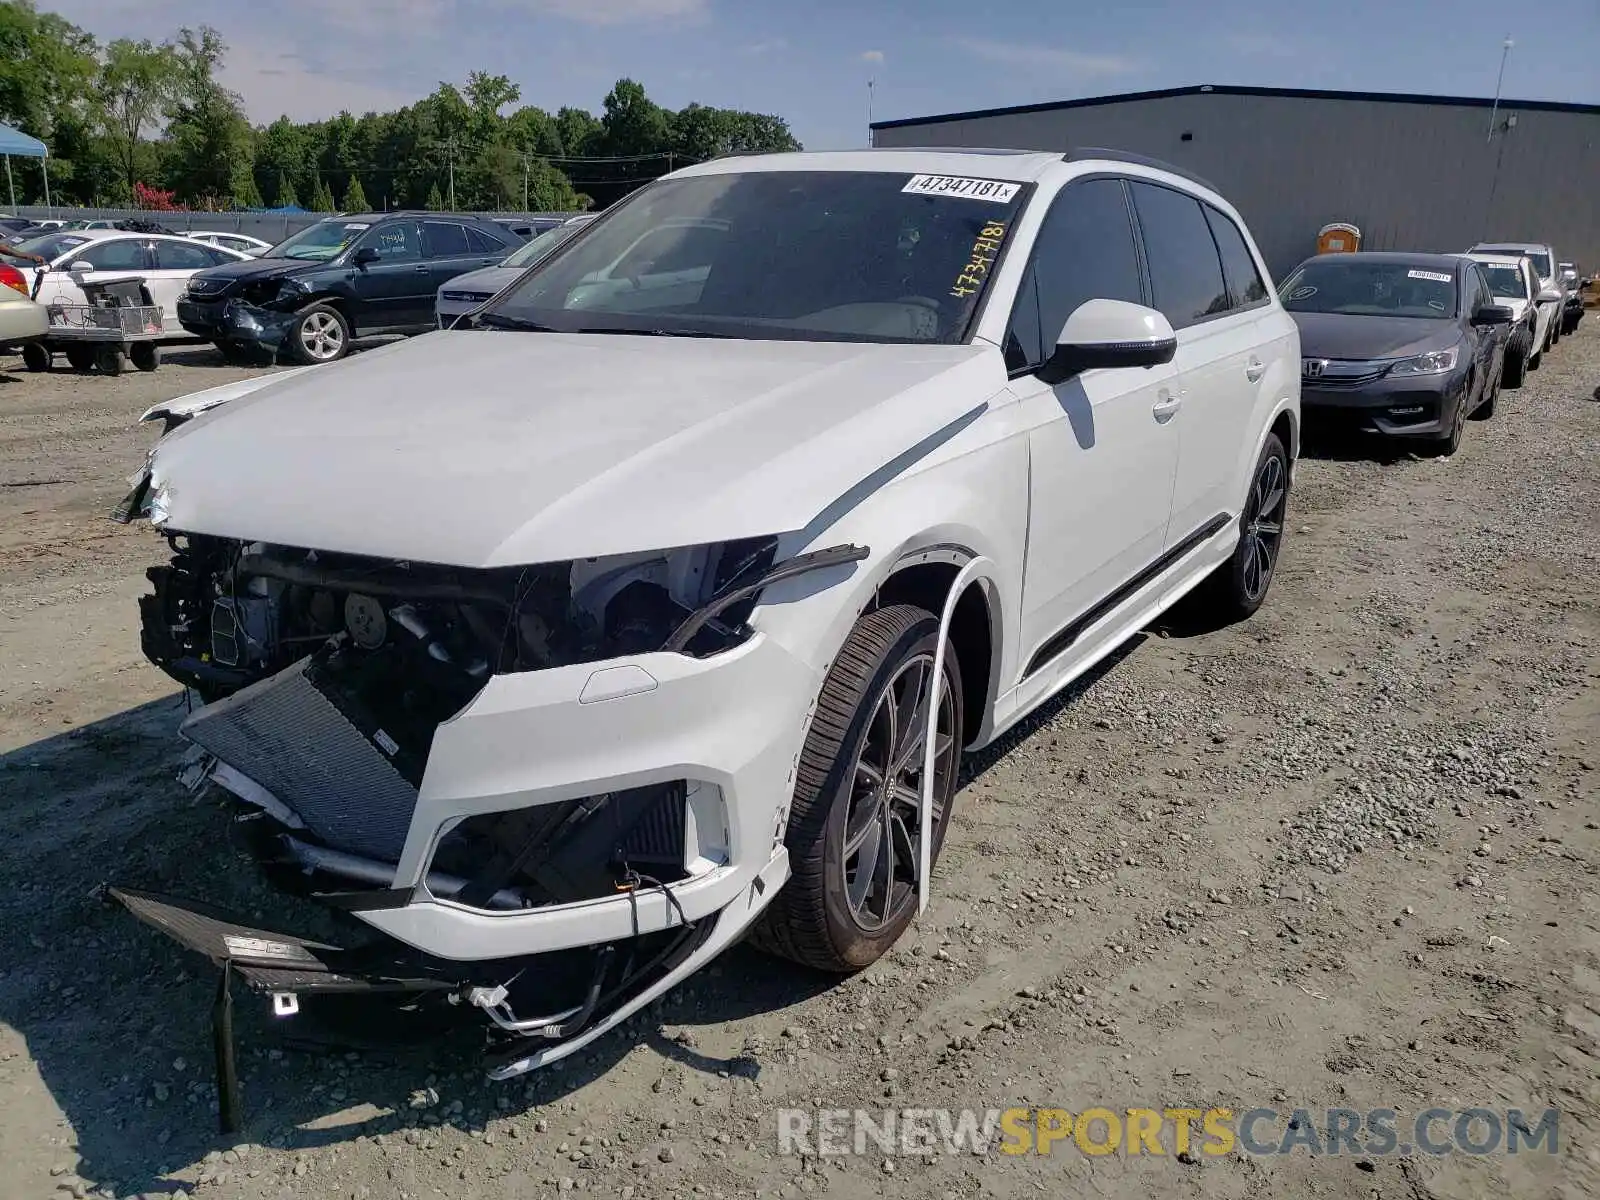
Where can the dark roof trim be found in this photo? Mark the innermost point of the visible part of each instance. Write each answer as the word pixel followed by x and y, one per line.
pixel 1097 154
pixel 1228 90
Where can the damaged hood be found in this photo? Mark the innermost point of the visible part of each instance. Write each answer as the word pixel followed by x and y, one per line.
pixel 195 403
pixel 480 449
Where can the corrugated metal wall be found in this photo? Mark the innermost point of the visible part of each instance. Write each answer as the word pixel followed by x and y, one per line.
pixel 1412 176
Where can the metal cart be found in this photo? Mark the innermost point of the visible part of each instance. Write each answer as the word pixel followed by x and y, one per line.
pixel 118 324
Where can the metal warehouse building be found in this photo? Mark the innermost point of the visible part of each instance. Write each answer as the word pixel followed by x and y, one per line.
pixel 1412 172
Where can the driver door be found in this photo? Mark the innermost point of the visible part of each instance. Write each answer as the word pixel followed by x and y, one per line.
pixel 394 291
pixel 1103 446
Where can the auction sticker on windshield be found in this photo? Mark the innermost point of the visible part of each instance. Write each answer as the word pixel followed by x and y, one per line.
pixel 995 190
pixel 1436 276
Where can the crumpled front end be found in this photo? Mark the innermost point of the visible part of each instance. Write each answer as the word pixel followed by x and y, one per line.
pixel 553 790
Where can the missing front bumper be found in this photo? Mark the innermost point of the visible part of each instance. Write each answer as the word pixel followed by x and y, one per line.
pixel 583 992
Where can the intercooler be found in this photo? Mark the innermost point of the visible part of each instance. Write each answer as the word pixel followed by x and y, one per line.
pixel 288 736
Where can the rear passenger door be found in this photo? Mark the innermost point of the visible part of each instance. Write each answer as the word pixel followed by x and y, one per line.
pixel 1208 285
pixel 1101 447
pixel 453 249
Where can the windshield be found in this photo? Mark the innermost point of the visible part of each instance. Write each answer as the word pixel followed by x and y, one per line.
pixel 813 255
pixel 319 242
pixel 1335 284
pixel 51 246
pixel 1540 261
pixel 1506 280
pixel 531 252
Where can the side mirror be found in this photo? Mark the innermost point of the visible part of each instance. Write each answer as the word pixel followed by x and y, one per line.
pixel 1492 314
pixel 1550 295
pixel 1109 333
pixel 365 255
pixel 80 267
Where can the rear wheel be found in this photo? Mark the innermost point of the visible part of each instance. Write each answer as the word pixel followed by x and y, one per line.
pixel 81 358
pixel 854 835
pixel 109 359
pixel 35 357
pixel 1237 588
pixel 145 355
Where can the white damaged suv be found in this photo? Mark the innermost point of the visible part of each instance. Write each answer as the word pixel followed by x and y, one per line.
pixel 659 604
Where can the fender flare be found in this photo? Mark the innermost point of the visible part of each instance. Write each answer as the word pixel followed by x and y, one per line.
pixel 925 808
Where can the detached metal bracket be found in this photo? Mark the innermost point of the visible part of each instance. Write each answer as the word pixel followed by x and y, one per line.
pixel 228 1118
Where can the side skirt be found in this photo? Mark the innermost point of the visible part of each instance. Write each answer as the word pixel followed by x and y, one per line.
pixel 1098 632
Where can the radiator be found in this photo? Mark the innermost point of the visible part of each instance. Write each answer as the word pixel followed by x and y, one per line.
pixel 287 736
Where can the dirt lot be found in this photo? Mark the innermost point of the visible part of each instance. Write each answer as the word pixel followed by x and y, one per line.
pixel 1344 854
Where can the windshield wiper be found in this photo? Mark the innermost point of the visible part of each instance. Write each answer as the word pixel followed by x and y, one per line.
pixel 685 333
pixel 496 320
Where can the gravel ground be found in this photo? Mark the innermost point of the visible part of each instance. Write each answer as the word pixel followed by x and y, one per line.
pixel 1343 854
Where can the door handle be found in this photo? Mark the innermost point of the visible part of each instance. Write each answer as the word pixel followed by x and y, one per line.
pixel 421 268
pixel 1166 406
pixel 1254 369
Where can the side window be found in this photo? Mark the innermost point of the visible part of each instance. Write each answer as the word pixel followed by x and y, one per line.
pixel 1084 251
pixel 394 242
pixel 445 239
pixel 1185 272
pixel 120 254
pixel 482 243
pixel 177 256
pixel 1245 286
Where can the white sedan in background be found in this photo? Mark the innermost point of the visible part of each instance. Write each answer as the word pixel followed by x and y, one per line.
pixel 78 256
pixel 251 247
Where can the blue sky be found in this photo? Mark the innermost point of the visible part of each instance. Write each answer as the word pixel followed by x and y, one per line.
pixel 810 60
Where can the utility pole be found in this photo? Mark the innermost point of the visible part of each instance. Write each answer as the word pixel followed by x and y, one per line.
pixel 1494 111
pixel 450 150
pixel 869 110
pixel 524 181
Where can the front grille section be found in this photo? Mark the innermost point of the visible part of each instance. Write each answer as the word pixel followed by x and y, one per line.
pixel 287 734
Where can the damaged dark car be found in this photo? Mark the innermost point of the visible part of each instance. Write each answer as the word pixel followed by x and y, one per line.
pixel 342 278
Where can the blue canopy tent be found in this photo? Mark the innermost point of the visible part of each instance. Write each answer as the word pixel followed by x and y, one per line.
pixel 15 142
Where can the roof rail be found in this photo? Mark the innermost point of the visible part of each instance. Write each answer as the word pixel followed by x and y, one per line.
pixel 1084 153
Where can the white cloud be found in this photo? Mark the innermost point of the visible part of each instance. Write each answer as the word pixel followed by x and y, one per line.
pixel 768 46
pixel 1051 58
pixel 872 56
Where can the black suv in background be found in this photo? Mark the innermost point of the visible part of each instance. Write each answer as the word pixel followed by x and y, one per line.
pixel 341 278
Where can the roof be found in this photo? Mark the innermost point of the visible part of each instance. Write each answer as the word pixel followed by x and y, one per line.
pixel 1488 256
pixel 1230 90
pixel 1444 262
pixel 14 141
pixel 1020 166
pixel 1512 247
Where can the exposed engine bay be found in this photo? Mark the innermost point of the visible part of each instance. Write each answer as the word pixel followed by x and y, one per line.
pixel 225 614
pixel 326 676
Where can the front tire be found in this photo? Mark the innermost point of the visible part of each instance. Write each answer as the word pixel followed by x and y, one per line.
pixel 1451 442
pixel 853 832
pixel 320 334
pixel 36 357
pixel 1515 369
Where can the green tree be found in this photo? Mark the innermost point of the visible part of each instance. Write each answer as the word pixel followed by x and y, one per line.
pixel 245 193
pixel 210 146
pixel 46 67
pixel 355 200
pixel 284 196
pixel 633 123
pixel 579 131
pixel 322 197
pixel 136 81
pixel 435 202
